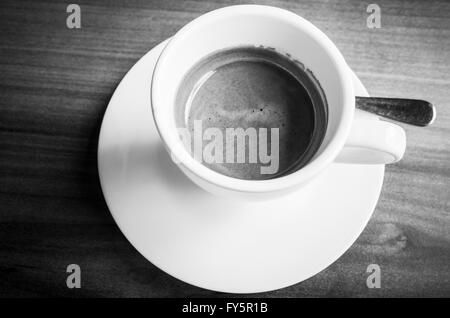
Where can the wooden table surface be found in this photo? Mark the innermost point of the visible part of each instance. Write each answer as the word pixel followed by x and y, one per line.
pixel 55 85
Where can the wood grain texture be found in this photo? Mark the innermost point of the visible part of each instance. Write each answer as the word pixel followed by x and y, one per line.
pixel 55 84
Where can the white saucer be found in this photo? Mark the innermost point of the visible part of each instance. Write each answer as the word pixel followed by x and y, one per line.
pixel 211 242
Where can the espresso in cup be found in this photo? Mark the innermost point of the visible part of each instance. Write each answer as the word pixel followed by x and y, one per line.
pixel 251 113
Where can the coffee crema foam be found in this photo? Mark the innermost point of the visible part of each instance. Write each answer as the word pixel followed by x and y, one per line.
pixel 256 89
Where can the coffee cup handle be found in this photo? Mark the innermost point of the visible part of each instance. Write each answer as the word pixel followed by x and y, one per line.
pixel 373 141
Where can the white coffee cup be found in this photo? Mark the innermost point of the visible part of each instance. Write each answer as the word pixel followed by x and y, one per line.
pixel 347 139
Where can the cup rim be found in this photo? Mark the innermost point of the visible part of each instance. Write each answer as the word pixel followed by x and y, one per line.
pixel 315 166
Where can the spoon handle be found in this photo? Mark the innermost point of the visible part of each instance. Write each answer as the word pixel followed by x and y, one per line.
pixel 410 111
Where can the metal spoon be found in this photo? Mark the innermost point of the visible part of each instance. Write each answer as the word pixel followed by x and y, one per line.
pixel 410 111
